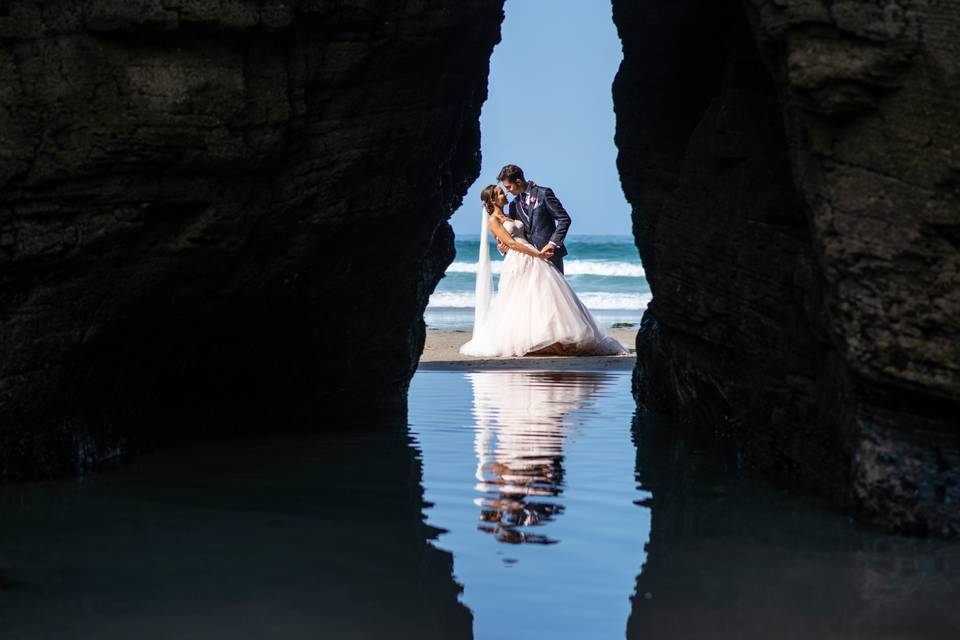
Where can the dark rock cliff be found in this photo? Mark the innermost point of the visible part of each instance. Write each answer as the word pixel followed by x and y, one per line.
pixel 793 169
pixel 223 215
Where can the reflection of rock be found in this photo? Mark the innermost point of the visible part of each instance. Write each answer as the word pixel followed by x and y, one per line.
pixel 792 168
pixel 299 537
pixel 194 197
pixel 732 557
pixel 521 428
pixel 6 580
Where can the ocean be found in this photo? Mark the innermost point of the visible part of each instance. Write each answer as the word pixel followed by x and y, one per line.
pixel 604 270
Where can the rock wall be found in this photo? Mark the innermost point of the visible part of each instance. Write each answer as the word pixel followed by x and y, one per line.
pixel 223 216
pixel 793 171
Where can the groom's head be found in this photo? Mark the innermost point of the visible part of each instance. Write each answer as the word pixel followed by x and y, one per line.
pixel 512 178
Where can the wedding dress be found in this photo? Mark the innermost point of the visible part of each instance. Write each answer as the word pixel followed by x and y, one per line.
pixel 534 307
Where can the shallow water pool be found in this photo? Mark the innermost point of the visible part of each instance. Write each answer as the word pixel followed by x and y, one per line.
pixel 515 504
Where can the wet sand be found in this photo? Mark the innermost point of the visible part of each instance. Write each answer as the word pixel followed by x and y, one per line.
pixel 442 352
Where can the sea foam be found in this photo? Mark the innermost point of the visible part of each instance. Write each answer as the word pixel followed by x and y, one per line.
pixel 570 268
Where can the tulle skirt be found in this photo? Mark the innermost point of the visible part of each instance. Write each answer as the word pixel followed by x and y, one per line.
pixel 534 308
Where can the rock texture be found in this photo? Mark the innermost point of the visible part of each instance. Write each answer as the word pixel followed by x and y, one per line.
pixel 793 167
pixel 223 215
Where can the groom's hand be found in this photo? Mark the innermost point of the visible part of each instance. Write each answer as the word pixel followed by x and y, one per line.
pixel 548 250
pixel 502 248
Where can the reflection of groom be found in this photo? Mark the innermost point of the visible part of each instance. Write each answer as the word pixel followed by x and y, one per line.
pixel 545 221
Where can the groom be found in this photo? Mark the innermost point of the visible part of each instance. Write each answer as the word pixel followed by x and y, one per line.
pixel 545 221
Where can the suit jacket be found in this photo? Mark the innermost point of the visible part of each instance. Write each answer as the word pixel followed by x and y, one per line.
pixel 544 220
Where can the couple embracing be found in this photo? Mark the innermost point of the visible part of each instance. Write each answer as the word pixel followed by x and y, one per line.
pixel 534 311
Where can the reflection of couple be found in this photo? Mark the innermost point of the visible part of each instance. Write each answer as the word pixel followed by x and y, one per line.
pixel 535 310
pixel 521 430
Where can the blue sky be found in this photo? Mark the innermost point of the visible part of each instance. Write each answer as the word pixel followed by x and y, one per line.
pixel 550 110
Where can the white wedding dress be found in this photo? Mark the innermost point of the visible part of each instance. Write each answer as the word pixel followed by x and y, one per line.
pixel 535 307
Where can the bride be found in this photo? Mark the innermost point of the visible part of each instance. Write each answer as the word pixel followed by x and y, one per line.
pixel 534 311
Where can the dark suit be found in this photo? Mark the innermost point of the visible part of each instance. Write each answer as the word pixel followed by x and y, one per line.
pixel 544 220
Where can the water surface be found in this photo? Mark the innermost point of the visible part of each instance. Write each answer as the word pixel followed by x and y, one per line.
pixel 570 516
pixel 516 504
pixel 531 474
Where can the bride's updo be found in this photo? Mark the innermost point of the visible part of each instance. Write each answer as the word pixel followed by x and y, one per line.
pixel 489 196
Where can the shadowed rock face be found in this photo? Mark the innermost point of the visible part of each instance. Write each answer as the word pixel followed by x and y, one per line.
pixel 793 171
pixel 212 214
pixel 222 217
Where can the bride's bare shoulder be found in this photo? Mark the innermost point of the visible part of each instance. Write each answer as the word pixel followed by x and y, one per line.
pixel 494 219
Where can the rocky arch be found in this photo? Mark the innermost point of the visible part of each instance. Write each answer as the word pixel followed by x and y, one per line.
pixel 231 218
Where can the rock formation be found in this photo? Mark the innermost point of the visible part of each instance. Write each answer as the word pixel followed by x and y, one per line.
pixel 222 215
pixel 794 168
pixel 229 216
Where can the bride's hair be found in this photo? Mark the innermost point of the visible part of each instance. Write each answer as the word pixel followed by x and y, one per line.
pixel 488 195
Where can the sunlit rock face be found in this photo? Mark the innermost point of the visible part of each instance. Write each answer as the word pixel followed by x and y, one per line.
pixel 218 216
pixel 793 168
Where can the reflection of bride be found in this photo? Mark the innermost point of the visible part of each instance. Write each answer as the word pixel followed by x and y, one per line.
pixel 520 418
pixel 535 310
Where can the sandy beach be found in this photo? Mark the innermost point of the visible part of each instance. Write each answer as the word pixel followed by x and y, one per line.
pixel 442 352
